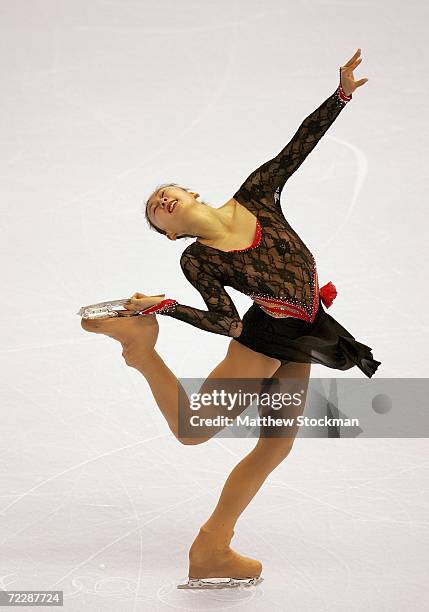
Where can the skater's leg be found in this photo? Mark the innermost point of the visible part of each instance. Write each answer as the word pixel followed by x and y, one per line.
pixel 247 477
pixel 240 362
pixel 249 474
pixel 138 336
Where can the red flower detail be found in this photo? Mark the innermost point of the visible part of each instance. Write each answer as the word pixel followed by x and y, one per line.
pixel 328 293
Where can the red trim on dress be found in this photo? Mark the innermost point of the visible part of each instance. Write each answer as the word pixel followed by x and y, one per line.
pixel 256 239
pixel 327 294
pixel 164 305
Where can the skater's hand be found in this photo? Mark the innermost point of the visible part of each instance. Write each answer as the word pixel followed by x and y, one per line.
pixel 348 82
pixel 140 301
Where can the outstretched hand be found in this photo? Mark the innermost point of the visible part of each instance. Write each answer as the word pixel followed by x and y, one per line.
pixel 348 82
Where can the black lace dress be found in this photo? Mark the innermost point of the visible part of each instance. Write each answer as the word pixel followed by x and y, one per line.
pixel 277 266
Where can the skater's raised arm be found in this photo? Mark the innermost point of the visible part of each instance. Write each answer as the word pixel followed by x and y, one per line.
pixel 273 174
pixel 221 317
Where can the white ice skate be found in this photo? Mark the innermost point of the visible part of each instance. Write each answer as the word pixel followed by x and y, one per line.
pixel 106 310
pixel 219 583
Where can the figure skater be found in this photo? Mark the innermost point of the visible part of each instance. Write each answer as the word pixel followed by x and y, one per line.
pixel 249 245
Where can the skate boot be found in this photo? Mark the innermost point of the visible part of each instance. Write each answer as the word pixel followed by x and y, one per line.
pixel 106 310
pixel 214 565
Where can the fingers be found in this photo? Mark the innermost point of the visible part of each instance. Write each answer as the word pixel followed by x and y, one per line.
pixel 352 59
pixel 348 69
pixel 145 302
pixel 139 301
pixel 360 82
pixel 139 295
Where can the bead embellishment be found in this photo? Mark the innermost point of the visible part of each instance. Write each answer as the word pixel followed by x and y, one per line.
pixel 164 306
pixel 341 96
pixel 293 307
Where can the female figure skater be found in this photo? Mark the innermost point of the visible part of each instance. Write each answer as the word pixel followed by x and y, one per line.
pixel 247 244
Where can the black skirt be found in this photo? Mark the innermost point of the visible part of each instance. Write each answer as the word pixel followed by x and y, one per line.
pixel 324 341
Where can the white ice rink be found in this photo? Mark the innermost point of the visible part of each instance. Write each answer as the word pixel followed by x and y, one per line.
pixel 101 102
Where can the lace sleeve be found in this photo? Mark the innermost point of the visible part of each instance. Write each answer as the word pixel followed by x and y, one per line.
pixel 268 180
pixel 222 316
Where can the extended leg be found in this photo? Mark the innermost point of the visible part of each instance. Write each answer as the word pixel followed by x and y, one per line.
pixel 138 336
pixel 239 362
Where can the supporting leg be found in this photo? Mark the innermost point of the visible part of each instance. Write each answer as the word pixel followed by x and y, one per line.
pixel 243 483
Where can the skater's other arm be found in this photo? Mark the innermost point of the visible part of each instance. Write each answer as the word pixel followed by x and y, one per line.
pixel 222 316
pixel 273 174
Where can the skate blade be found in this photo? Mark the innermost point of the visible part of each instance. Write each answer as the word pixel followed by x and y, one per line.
pixel 106 310
pixel 219 583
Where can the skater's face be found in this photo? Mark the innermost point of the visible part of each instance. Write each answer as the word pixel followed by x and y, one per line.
pixel 169 208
